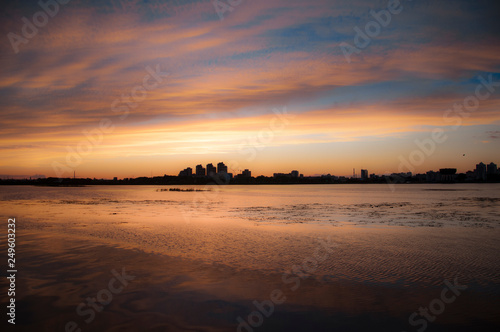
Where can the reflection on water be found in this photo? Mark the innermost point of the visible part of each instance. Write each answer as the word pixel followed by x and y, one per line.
pixel 230 245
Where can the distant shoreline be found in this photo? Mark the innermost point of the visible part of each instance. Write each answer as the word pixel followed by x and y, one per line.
pixel 51 182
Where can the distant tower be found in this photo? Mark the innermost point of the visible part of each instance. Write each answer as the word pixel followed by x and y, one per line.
pixel 480 172
pixel 354 173
pixel 200 170
pixel 491 169
pixel 74 175
pixel 221 168
pixel 246 173
pixel 211 170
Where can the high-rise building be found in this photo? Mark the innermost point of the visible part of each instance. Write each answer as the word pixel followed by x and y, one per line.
pixel 211 170
pixel 200 170
pixel 221 168
pixel 364 174
pixel 246 173
pixel 186 172
pixel 294 174
pixel 492 169
pixel 480 172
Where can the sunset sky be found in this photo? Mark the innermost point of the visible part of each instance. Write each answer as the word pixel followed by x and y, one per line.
pixel 267 88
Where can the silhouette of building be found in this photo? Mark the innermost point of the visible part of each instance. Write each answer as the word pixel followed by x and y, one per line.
pixel 403 176
pixel 448 174
pixel 200 170
pixel 211 170
pixel 492 169
pixel 246 173
pixel 480 172
pixel 221 168
pixel 470 176
pixel 292 174
pixel 364 174
pixel 186 172
pixel 420 177
pixel 432 176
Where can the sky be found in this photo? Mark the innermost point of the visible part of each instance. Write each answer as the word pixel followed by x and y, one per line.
pixel 131 88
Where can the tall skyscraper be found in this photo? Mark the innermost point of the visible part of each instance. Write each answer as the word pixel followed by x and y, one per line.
pixel 200 170
pixel 221 168
pixel 364 174
pixel 492 169
pixel 211 170
pixel 480 172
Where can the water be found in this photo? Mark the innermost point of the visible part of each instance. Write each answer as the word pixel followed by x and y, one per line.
pixel 265 227
pixel 411 239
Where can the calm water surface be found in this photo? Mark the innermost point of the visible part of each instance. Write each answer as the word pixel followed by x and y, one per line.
pixel 412 238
